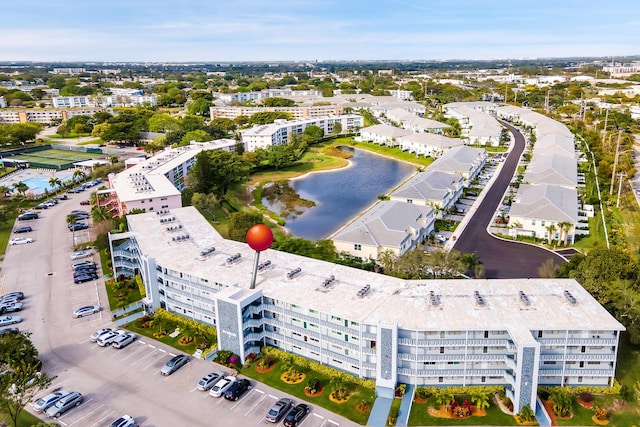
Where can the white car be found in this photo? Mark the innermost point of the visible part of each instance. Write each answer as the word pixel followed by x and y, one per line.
pixel 81 254
pixel 123 340
pixel 107 338
pixel 10 307
pixel 86 310
pixel 20 240
pixel 124 421
pixel 9 320
pixel 97 334
pixel 222 386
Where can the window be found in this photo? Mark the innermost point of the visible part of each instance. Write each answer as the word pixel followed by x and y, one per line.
pixel 441 350
pixel 440 379
pixel 539 334
pixel 357 247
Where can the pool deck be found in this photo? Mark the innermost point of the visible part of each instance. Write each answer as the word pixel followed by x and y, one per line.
pixel 25 174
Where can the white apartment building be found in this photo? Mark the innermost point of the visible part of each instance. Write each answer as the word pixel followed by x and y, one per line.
pixel 478 128
pixel 268 93
pixel 516 333
pixel 121 100
pixel 156 183
pixel 46 115
pixel 297 113
pixel 278 132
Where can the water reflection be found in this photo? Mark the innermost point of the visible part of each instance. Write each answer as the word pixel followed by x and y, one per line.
pixel 337 195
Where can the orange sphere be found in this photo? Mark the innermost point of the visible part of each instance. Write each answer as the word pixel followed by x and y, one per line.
pixel 259 237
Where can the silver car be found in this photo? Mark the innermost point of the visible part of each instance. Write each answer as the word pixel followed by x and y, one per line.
pixel 43 403
pixel 107 338
pixel 97 334
pixel 71 400
pixel 174 364
pixel 209 380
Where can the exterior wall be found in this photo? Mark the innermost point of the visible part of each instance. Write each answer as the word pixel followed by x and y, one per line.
pixel 298 113
pixel 154 203
pixel 536 227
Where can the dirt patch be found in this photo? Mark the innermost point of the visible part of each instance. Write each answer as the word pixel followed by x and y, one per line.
pixel 316 394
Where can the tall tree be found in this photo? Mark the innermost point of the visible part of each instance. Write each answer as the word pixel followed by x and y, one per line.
pixel 217 170
pixel 21 378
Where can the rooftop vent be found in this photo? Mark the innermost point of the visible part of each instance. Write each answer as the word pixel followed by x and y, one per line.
pixel 479 299
pixel 233 258
pixel 365 290
pixel 293 273
pixel 264 265
pixel 524 298
pixel 433 298
pixel 207 251
pixel 570 297
pixel 326 282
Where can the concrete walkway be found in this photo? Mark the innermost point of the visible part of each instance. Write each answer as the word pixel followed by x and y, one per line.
pixel 405 406
pixel 380 412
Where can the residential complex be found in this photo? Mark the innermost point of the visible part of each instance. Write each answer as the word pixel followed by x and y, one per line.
pixel 297 113
pixel 120 100
pixel 278 132
pixel 517 333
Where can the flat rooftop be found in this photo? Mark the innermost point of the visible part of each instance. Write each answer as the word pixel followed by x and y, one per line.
pixel 553 304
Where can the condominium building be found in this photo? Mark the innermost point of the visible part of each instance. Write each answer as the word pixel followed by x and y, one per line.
pixel 120 100
pixel 297 113
pixel 45 115
pixel 156 183
pixel 278 132
pixel 516 333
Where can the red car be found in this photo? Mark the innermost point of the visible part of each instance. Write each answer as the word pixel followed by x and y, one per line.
pixel 85 203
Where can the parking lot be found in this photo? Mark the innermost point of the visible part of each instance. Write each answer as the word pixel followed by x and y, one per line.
pixel 113 382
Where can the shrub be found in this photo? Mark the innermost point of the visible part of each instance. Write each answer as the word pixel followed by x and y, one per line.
pixel 265 362
pixel 585 396
pixel 313 386
pixel 422 392
pixel 601 413
pixel 461 411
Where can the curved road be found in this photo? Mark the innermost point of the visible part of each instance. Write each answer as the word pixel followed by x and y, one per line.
pixel 503 259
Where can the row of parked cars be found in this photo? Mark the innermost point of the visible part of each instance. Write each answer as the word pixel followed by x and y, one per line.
pixel 9 303
pixel 117 338
pixel 80 188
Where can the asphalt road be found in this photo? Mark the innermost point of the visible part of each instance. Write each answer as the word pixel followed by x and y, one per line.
pixel 503 259
pixel 113 382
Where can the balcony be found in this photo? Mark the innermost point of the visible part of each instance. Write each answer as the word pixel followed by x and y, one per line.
pixel 252 323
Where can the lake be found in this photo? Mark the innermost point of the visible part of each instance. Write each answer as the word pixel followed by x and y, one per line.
pixel 339 195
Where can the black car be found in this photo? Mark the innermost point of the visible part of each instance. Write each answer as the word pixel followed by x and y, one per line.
pixel 78 226
pixel 278 410
pixel 23 229
pixel 295 416
pixel 85 278
pixel 87 272
pixel 84 270
pixel 237 389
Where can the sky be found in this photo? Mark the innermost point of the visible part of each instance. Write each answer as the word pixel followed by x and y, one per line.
pixel 308 30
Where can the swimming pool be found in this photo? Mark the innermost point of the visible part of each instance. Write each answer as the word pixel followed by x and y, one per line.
pixel 38 185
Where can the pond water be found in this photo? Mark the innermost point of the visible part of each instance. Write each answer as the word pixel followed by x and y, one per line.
pixel 331 199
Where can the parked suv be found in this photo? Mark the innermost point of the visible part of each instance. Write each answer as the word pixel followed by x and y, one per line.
pixel 27 215
pixel 64 404
pixel 237 389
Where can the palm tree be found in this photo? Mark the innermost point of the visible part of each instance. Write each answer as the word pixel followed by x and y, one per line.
pixel 444 398
pixel 565 226
pixel 21 188
pixel 79 175
pixel 480 400
pixel 4 190
pixel 55 183
pixel 550 230
pixel 100 213
pixel 71 220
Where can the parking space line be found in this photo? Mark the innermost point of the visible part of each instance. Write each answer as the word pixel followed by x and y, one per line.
pixel 150 364
pixel 164 351
pixel 87 414
pixel 152 346
pixel 256 404
pixel 144 347
pixel 317 415
pixel 172 355
pixel 100 421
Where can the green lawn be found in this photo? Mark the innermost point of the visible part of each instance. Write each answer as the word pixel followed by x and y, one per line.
pixel 173 342
pixel 494 417
pixel 346 409
pixel 25 419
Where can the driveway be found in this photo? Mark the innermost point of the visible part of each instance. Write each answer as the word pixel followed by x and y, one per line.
pixel 503 259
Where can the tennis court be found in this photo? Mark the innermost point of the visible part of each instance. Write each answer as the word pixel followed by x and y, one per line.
pixel 55 158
